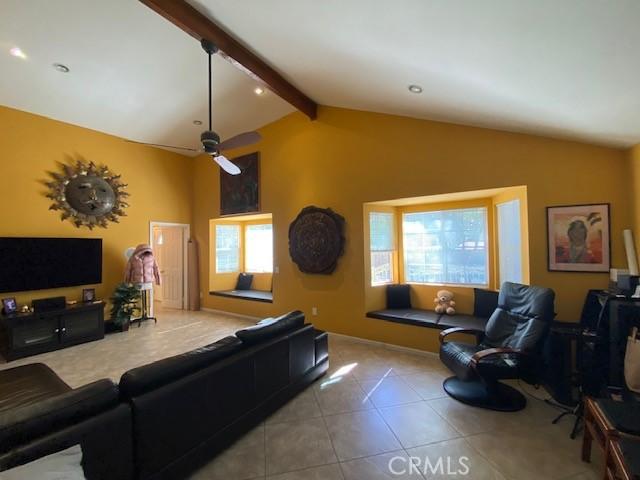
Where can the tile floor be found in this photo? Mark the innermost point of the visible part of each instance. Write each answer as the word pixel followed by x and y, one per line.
pixel 375 408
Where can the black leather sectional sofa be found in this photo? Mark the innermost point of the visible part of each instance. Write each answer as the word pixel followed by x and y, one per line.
pixel 165 419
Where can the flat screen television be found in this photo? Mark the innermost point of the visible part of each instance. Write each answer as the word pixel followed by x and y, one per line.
pixel 42 263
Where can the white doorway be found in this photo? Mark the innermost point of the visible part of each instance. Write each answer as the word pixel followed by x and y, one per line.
pixel 169 243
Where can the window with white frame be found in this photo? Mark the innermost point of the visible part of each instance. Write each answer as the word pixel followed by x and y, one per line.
pixel 227 248
pixel 509 241
pixel 382 246
pixel 446 247
pixel 258 248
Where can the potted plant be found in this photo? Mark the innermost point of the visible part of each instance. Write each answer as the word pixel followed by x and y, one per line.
pixel 124 303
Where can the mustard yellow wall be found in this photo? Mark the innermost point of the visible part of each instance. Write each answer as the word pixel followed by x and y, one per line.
pixel 634 163
pixel 30 145
pixel 347 158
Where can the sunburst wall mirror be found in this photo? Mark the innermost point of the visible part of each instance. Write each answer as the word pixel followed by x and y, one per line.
pixel 87 194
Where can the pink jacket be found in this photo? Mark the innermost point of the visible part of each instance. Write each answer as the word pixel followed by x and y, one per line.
pixel 142 266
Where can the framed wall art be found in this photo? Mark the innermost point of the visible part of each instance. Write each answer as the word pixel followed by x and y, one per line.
pixel 241 193
pixel 578 238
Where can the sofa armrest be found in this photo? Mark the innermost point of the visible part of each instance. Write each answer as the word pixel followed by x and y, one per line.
pixel 450 331
pixel 491 352
pixel 23 424
pixel 321 346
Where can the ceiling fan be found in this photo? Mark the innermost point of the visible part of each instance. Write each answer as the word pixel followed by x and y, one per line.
pixel 211 143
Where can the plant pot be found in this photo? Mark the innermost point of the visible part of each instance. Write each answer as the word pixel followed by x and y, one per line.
pixel 112 327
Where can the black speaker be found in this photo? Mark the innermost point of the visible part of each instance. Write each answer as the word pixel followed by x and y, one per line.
pixel 559 353
pixel 48 304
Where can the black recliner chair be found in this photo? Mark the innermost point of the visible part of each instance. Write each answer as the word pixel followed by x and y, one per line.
pixel 509 348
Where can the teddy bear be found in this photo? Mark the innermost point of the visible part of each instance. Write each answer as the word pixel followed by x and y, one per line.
pixel 444 302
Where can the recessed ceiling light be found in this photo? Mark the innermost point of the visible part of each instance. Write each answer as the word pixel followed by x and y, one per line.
pixel 61 68
pixel 258 90
pixel 17 52
pixel 197 122
pixel 415 88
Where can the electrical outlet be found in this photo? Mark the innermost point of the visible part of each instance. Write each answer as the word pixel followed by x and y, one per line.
pixel 314 311
pixel 276 269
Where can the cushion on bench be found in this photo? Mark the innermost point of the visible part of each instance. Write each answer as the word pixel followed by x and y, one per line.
pixel 411 316
pixel 398 296
pixel 244 281
pixel 484 302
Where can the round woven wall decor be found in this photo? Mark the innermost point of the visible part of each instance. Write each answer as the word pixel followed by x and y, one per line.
pixel 316 240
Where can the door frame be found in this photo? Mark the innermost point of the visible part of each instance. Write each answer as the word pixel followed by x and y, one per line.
pixel 186 235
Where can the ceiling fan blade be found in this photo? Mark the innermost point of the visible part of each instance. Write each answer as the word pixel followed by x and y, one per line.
pixel 241 140
pixel 165 146
pixel 226 165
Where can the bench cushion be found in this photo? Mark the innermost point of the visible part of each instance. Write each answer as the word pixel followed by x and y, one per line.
pixel 254 295
pixel 428 318
pixel 411 316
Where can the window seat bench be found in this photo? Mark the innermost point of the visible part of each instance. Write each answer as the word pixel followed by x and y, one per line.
pixel 253 295
pixel 429 318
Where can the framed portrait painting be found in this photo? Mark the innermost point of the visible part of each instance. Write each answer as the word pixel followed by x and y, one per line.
pixel 578 238
pixel 241 193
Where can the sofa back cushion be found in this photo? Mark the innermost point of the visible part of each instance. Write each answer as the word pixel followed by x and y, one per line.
pixel 271 327
pixel 148 377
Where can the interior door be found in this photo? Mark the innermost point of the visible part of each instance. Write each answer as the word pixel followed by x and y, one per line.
pixel 158 241
pixel 171 265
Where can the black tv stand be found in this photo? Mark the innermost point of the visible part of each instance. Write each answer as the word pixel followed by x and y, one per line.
pixel 30 333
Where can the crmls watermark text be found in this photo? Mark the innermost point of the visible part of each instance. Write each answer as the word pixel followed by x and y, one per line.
pixel 434 466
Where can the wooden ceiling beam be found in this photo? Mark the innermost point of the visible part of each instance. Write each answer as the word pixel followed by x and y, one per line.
pixel 187 18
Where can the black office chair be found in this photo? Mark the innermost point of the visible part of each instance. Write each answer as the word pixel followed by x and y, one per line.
pixel 509 348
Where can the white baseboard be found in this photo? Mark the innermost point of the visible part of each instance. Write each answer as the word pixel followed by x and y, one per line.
pixel 389 346
pixel 231 314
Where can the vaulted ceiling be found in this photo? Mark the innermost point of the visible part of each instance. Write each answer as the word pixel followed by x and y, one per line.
pixel 566 68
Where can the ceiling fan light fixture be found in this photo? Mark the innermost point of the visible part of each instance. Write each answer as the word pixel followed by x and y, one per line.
pixel 415 89
pixel 18 53
pixel 61 68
